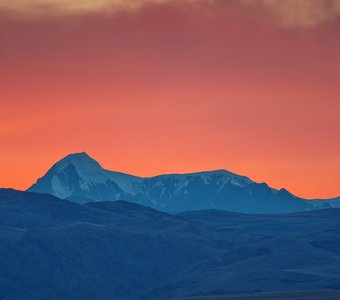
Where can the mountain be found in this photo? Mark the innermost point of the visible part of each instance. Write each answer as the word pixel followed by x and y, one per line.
pixel 80 179
pixel 78 175
pixel 53 249
pixel 297 252
pixel 333 202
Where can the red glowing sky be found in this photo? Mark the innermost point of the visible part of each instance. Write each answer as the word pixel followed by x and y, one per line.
pixel 174 87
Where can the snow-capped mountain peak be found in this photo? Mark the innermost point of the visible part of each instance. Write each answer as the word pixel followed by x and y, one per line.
pixel 83 163
pixel 222 176
pixel 79 178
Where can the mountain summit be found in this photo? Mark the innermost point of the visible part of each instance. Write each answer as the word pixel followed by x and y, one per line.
pixel 79 178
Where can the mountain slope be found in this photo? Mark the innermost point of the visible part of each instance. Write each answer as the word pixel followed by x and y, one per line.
pixel 53 249
pixel 80 176
pixel 333 202
pixel 81 179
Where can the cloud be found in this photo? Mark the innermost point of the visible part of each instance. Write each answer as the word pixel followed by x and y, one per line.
pixel 41 7
pixel 37 7
pixel 301 13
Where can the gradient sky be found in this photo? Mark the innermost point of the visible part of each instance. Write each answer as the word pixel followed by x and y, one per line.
pixel 149 87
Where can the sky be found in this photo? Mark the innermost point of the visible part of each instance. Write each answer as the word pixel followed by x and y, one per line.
pixel 149 87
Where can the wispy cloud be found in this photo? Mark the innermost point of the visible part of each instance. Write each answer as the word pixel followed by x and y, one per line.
pixel 305 13
pixel 300 12
pixel 39 7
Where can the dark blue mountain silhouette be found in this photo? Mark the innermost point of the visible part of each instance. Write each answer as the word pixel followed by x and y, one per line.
pixel 54 249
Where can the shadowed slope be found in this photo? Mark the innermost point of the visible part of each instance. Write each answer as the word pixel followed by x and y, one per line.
pixel 55 249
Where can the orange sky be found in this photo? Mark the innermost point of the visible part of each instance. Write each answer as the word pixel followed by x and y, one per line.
pixel 174 88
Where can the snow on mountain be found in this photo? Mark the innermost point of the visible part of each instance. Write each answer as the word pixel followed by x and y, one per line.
pixel 79 178
pixel 335 202
pixel 78 175
pixel 326 203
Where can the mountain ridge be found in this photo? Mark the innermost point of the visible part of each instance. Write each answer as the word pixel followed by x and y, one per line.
pixel 79 178
pixel 55 249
